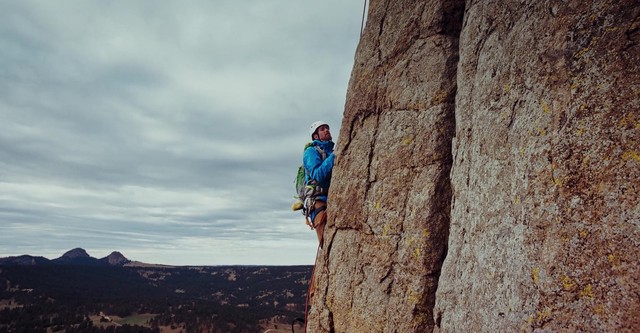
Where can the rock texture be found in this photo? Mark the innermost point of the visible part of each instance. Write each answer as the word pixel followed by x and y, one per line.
pixel 545 220
pixel 503 135
pixel 390 194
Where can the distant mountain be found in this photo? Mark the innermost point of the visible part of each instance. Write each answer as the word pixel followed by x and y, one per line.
pixel 115 259
pixel 77 256
pixel 24 260
pixel 76 253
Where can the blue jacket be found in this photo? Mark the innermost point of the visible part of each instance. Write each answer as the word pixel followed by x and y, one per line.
pixel 317 168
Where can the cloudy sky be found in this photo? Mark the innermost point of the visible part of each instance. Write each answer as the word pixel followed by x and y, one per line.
pixel 170 131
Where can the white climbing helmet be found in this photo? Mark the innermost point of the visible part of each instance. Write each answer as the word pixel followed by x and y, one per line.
pixel 315 126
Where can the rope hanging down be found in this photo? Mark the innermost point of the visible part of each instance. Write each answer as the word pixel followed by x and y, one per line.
pixel 364 10
pixel 311 285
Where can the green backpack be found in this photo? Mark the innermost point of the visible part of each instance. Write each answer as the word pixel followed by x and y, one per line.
pixel 307 191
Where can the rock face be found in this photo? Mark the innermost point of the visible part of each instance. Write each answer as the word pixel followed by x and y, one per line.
pixel 545 220
pixel 487 174
pixel 390 195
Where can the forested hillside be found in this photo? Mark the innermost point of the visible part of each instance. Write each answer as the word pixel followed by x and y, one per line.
pixel 123 299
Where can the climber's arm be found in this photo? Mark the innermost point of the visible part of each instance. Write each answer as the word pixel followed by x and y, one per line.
pixel 318 169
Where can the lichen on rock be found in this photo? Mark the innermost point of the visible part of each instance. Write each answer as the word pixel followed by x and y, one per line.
pixel 486 178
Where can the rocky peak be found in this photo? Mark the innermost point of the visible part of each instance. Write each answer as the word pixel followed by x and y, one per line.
pixel 76 253
pixel 117 259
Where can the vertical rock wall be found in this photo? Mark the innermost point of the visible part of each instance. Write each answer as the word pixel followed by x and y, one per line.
pixel 545 221
pixel 390 194
pixel 512 136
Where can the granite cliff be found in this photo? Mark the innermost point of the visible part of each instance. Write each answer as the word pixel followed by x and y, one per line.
pixel 486 177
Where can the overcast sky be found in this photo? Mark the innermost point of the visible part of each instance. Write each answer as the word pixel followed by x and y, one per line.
pixel 170 131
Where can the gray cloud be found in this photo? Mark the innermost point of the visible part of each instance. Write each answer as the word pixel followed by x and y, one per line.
pixel 168 131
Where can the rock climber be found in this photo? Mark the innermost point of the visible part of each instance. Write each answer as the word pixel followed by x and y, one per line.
pixel 319 163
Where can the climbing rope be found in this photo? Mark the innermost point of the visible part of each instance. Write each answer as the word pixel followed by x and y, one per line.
pixel 364 10
pixel 311 284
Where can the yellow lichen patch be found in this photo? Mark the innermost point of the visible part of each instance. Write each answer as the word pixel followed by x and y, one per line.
pixel 385 230
pixel 426 233
pixel 629 119
pixel 557 181
pixel 583 233
pixel 574 86
pixel 527 323
pixel 543 316
pixel 581 53
pixel 407 140
pixel 585 161
pixel 545 107
pixel 410 241
pixel 416 253
pixel 417 105
pixel 599 309
pixel 521 151
pixel 516 200
pixel 377 205
pixel 539 131
pixel 506 88
pixel 587 292
pixel 535 274
pixel 631 155
pixel 614 260
pixel 420 320
pixel 440 97
pixel 581 130
pixel 567 283
pixel 412 298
